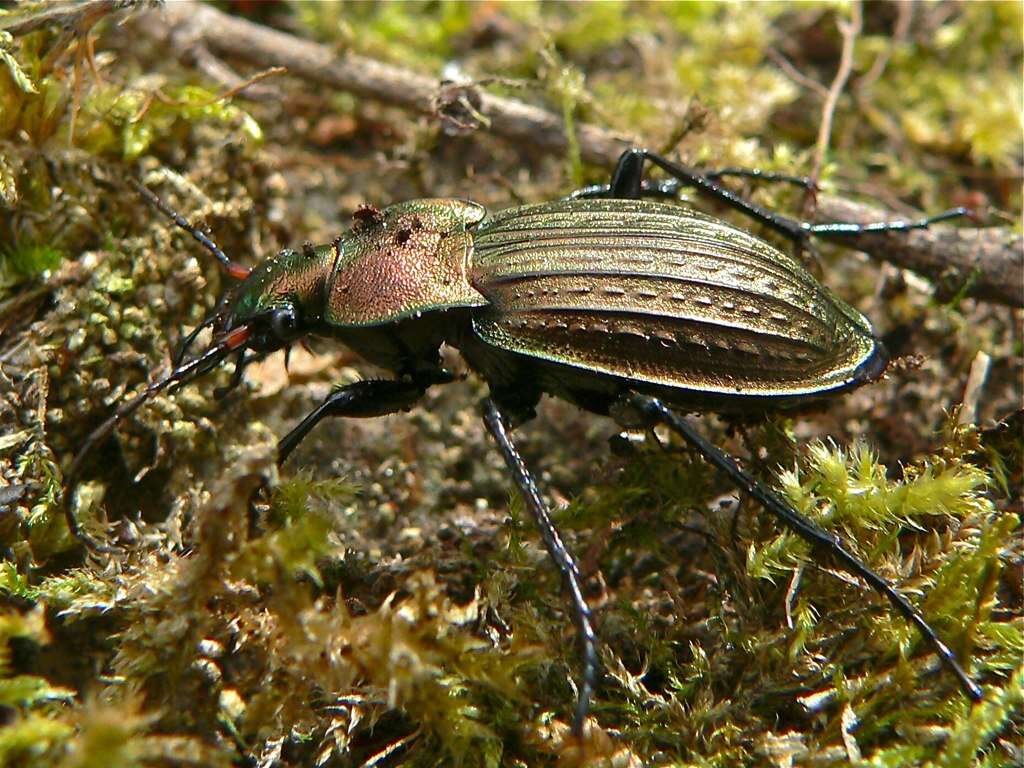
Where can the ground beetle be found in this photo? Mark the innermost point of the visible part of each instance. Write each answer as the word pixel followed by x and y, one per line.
pixel 625 306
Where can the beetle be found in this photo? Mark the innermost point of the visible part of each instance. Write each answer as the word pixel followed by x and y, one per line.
pixel 611 298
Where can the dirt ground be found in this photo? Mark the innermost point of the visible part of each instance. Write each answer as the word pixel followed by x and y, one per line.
pixel 383 598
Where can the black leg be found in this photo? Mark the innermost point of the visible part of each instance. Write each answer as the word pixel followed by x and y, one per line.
pixel 652 411
pixel 628 182
pixel 755 174
pixel 840 229
pixel 669 188
pixel 665 189
pixel 628 175
pixel 497 425
pixel 361 399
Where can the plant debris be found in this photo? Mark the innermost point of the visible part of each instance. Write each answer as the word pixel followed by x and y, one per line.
pixel 382 600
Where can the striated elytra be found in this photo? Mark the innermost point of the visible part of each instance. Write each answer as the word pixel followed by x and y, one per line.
pixel 625 305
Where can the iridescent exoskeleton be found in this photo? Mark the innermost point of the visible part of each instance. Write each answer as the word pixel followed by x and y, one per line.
pixel 628 306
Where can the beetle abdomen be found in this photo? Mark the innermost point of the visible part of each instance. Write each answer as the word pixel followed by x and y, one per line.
pixel 663 295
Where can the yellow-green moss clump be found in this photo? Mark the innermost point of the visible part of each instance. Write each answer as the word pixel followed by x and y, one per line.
pixel 383 601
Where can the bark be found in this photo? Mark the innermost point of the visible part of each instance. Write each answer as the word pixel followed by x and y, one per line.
pixel 985 263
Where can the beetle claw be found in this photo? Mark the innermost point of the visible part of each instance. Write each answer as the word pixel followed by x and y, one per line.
pixel 93 545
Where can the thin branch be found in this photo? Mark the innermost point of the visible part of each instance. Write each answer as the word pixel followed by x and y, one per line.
pixel 188 24
pixel 972 390
pixel 962 261
pixel 158 95
pixel 791 593
pixel 63 14
pixel 237 89
pixel 984 263
pixel 885 122
pixel 899 36
pixel 849 30
pixel 796 75
pixel 219 71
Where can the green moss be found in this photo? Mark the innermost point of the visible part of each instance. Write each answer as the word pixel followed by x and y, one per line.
pixel 32 260
pixel 961 97
pixel 395 616
pixel 35 726
pixel 112 118
pixel 18 77
pixel 565 84
pixel 398 31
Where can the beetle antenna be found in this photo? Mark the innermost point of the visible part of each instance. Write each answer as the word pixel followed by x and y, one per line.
pixel 189 340
pixel 232 341
pixel 235 270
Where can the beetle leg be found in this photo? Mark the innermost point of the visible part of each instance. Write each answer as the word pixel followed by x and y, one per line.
pixel 361 399
pixel 628 182
pixel 497 425
pixel 628 175
pixel 755 174
pixel 669 188
pixel 651 410
pixel 839 229
pixel 832 229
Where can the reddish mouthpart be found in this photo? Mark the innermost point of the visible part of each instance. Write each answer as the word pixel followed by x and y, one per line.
pixel 237 271
pixel 237 337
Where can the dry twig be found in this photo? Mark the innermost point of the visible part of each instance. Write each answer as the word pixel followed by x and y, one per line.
pixel 220 72
pixel 962 261
pixel 849 30
pixel 905 16
pixel 794 74
pixel 158 95
pixel 67 15
pixel 984 263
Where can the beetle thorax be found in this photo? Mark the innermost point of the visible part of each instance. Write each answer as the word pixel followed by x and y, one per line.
pixel 298 277
pixel 402 262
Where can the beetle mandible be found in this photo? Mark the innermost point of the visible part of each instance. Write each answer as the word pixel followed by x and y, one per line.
pixel 626 306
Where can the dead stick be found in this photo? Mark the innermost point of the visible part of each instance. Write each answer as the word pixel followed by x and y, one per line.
pixel 849 31
pixel 988 263
pixel 984 263
pixel 66 15
pixel 187 24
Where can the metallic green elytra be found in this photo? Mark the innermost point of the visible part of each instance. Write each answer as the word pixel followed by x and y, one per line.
pixel 620 304
pixel 666 299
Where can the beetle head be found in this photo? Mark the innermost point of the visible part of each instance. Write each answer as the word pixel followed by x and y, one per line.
pixel 274 305
pixel 281 300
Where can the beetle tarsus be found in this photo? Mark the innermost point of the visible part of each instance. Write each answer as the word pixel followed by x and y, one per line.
pixel 653 411
pixel 627 182
pixel 844 229
pixel 497 425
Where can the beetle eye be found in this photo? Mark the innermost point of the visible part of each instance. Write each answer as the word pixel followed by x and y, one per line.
pixel 284 323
